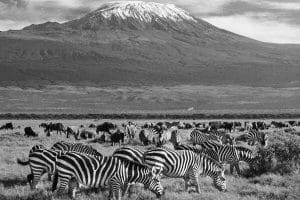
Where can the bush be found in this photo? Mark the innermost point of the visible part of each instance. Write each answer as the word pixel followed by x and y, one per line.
pixel 282 156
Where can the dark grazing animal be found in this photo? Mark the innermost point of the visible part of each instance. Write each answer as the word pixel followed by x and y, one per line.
pixel 105 127
pixel 7 126
pixel 58 127
pixel 29 132
pixel 117 137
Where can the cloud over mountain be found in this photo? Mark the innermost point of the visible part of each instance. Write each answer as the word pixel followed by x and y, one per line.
pixel 15 14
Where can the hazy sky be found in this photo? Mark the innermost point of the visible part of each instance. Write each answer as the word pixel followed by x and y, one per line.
pixel 266 20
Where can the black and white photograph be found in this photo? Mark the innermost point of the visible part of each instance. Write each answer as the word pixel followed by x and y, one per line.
pixel 150 99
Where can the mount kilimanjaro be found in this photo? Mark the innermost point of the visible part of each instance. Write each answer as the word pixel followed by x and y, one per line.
pixel 138 43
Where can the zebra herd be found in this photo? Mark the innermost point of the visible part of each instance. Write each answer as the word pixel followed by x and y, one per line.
pixel 74 164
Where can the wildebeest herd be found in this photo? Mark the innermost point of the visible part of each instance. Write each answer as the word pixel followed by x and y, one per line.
pixel 210 146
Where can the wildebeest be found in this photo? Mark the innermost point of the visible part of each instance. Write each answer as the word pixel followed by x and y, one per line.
pixel 85 134
pixel 58 127
pixel 72 130
pixel 92 126
pixel 29 132
pixel 7 126
pixel 105 127
pixel 117 137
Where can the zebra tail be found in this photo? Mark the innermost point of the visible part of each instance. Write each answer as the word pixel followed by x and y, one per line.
pixel 22 162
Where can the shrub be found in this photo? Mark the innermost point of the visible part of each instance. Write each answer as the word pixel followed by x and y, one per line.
pixel 282 156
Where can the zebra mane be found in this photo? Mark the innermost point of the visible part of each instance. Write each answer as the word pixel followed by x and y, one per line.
pixel 241 148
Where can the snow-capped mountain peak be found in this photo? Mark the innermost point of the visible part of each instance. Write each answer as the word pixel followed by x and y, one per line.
pixel 143 11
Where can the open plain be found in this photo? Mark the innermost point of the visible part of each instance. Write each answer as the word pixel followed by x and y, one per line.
pixel 13 183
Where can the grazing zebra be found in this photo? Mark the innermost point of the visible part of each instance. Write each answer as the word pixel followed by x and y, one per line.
pixel 228 154
pixel 100 172
pixel 198 137
pixel 76 147
pixel 254 136
pixel 41 161
pixel 187 165
pixel 130 154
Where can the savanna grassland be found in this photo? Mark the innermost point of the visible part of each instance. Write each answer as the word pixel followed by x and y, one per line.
pixel 278 181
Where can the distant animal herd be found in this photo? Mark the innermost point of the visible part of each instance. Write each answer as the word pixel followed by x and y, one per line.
pixel 210 146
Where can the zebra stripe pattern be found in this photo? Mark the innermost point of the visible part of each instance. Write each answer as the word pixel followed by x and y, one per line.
pixel 187 165
pixel 256 136
pixel 75 147
pixel 209 152
pixel 99 172
pixel 41 161
pixel 130 154
pixel 229 154
pixel 36 147
pixel 198 137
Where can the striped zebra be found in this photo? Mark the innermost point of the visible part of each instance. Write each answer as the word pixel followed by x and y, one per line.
pixel 187 165
pixel 100 172
pixel 36 147
pixel 130 154
pixel 253 136
pixel 42 160
pixel 198 137
pixel 76 147
pixel 208 152
pixel 229 154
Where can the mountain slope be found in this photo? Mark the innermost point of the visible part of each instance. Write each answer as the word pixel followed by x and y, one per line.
pixel 137 43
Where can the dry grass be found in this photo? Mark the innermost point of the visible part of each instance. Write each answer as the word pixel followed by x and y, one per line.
pixel 13 184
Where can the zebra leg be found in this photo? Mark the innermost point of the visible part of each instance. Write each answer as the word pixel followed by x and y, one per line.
pixel 231 168
pixel 63 181
pixel 55 180
pixel 73 185
pixel 237 167
pixel 186 183
pixel 49 176
pixel 36 178
pixel 126 189
pixel 197 185
pixel 29 179
pixel 193 175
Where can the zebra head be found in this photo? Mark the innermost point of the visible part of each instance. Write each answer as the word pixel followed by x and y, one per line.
pixel 154 184
pixel 264 140
pixel 220 180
